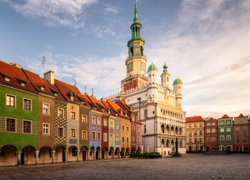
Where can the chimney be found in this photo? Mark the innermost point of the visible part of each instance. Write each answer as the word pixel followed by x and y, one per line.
pixel 16 65
pixel 50 76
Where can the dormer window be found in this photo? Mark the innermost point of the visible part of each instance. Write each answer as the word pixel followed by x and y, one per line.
pixel 72 98
pixel 23 84
pixel 7 79
pixel 42 88
pixel 55 94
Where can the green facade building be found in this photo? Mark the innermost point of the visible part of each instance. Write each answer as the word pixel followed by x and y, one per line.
pixel 225 133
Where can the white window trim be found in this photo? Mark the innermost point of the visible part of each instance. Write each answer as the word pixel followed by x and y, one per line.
pixel 58 112
pixel 44 103
pixel 6 125
pixel 31 127
pixel 48 129
pixel 6 100
pixel 31 104
pixel 83 115
pixel 86 135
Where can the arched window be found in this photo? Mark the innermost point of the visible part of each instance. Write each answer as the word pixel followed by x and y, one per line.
pixel 162 128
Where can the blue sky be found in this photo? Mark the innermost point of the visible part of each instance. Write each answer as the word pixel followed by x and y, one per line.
pixel 206 43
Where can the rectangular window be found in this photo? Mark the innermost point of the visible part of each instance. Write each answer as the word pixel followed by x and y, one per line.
pixel 222 123
pixel 46 128
pixel 128 129
pixel 117 138
pixel 46 108
pixel 27 127
pixel 98 122
pixel 105 122
pixel 60 132
pixel 10 125
pixel 127 140
pixel 123 139
pixel 84 135
pixel 105 137
pixel 93 135
pixel 93 120
pixel 213 130
pixel 213 123
pixel 228 138
pixel 222 130
pixel 222 138
pixel 60 113
pixel 122 128
pixel 117 125
pixel 72 133
pixel 73 115
pixel 208 124
pixel 84 119
pixel 27 104
pixel 10 101
pixel 228 122
pixel 99 136
pixel 145 129
pixel 208 130
pixel 201 125
pixel 228 129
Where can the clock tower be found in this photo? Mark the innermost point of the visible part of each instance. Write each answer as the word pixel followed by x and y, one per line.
pixel 136 61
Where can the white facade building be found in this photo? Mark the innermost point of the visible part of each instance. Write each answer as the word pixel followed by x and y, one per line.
pixel 158 105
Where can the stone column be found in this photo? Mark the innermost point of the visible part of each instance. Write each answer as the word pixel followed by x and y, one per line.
pixel 53 156
pixel 66 155
pixel 37 156
pixel 78 155
pixel 19 153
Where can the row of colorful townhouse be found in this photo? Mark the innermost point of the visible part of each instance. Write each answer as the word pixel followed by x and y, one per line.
pixel 44 120
pixel 223 134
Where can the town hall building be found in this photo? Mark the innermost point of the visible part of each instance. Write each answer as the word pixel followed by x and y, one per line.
pixel 158 105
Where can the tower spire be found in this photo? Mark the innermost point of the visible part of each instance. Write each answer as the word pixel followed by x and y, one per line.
pixel 136 12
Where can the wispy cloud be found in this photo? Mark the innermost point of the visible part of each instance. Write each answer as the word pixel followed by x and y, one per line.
pixel 66 13
pixel 110 9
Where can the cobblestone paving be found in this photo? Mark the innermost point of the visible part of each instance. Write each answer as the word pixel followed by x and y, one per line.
pixel 194 166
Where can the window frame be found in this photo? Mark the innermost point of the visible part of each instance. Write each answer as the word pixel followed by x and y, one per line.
pixel 25 120
pixel 72 135
pixel 84 118
pixel 6 127
pixel 45 103
pixel 58 134
pixel 11 95
pixel 30 104
pixel 58 114
pixel 43 124
pixel 86 133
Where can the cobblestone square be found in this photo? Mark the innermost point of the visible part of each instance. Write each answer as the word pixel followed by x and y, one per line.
pixel 191 166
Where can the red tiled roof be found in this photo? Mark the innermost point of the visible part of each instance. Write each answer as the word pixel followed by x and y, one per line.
pixel 16 76
pixel 241 115
pixel 66 89
pixel 39 82
pixel 224 116
pixel 194 119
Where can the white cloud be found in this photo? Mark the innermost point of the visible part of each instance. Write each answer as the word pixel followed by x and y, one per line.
pixel 110 9
pixel 102 74
pixel 67 13
pixel 209 50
